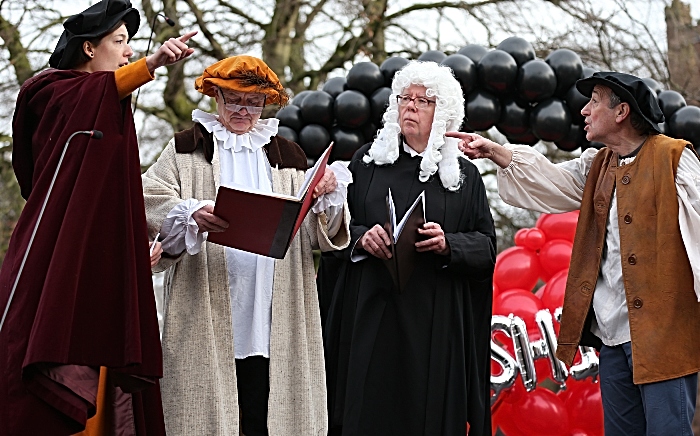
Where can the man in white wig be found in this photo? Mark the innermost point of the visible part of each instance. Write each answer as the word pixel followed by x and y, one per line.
pixel 242 331
pixel 414 362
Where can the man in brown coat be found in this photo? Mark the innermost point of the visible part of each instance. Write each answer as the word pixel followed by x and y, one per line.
pixel 634 281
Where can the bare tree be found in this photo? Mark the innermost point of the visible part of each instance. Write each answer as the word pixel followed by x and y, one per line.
pixel 305 41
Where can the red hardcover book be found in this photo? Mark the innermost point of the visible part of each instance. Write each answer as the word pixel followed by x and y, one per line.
pixel 265 222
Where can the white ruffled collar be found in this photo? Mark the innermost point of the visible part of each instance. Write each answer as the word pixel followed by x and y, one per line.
pixel 260 134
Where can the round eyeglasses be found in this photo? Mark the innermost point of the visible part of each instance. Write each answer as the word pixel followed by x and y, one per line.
pixel 237 107
pixel 419 102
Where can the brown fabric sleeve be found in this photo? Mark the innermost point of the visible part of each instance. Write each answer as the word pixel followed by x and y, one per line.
pixel 130 77
pixel 286 154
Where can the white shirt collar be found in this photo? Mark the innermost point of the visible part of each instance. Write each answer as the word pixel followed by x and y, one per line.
pixel 259 135
pixel 407 148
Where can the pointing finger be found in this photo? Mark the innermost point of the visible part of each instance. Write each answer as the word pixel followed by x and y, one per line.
pixel 188 35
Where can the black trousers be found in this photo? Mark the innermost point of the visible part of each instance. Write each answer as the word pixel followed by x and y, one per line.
pixel 253 381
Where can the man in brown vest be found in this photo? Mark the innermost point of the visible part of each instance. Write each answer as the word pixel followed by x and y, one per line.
pixel 634 281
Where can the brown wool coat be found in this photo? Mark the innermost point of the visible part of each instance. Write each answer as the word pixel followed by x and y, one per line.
pixel 664 313
pixel 199 378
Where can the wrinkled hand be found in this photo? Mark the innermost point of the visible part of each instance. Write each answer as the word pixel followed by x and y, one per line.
pixel 156 253
pixel 172 50
pixel 207 221
pixel 477 147
pixel 435 239
pixel 327 184
pixel 376 242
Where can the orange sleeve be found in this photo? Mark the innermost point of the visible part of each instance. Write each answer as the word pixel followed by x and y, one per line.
pixel 132 76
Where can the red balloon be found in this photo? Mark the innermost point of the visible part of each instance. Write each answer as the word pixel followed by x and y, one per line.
pixel 516 267
pixel 519 237
pixel 496 291
pixel 558 226
pixel 578 432
pixel 533 239
pixel 516 394
pixel 555 256
pixel 540 413
pixel 520 303
pixel 553 294
pixel 582 400
pixel 540 291
pixel 499 412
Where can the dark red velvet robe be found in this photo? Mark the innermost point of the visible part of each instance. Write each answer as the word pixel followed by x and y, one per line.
pixel 85 295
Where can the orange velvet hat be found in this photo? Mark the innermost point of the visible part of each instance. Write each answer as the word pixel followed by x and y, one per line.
pixel 244 74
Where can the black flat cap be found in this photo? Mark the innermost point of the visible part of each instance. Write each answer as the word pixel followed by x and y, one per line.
pixel 93 22
pixel 631 89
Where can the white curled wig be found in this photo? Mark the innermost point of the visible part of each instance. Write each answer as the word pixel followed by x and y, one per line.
pixel 442 153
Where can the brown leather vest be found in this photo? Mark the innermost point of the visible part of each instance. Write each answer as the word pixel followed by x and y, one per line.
pixel 664 313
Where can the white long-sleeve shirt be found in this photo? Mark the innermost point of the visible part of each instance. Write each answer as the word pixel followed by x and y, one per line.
pixel 531 181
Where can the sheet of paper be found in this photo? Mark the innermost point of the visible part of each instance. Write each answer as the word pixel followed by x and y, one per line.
pixel 399 228
pixel 310 174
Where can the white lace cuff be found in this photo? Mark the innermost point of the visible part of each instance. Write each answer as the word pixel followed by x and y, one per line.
pixel 336 198
pixel 181 230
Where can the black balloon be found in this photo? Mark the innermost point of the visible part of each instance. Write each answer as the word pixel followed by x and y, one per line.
pixel 334 86
pixel 474 52
pixel 521 50
pixel 290 116
pixel 575 102
pixel 528 138
pixel 390 66
pixel 663 127
pixel 483 111
pixel 432 56
pixel 288 133
pixel 352 108
pixel 573 140
pixel 378 102
pixel 369 131
pixel 299 98
pixel 464 70
pixel 567 66
pixel 497 72
pixel 685 124
pixel 536 81
pixel 653 85
pixel 365 77
pixel 317 108
pixel 588 72
pixel 550 120
pixel 314 139
pixel 670 102
pixel 345 142
pixel 515 118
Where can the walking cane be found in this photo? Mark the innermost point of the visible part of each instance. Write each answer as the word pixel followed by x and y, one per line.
pixel 96 134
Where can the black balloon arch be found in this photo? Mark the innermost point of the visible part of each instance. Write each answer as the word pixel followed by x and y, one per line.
pixel 525 98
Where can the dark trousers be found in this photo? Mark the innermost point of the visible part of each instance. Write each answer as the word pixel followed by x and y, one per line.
pixel 253 381
pixel 652 409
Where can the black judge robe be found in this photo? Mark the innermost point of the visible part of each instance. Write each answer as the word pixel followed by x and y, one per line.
pixel 85 296
pixel 415 363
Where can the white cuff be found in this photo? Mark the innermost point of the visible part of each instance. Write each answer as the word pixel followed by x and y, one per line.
pixel 181 230
pixel 336 198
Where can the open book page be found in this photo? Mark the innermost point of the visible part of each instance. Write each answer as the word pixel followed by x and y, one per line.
pixel 261 192
pixel 322 160
pixel 403 238
pixel 392 215
pixel 398 228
